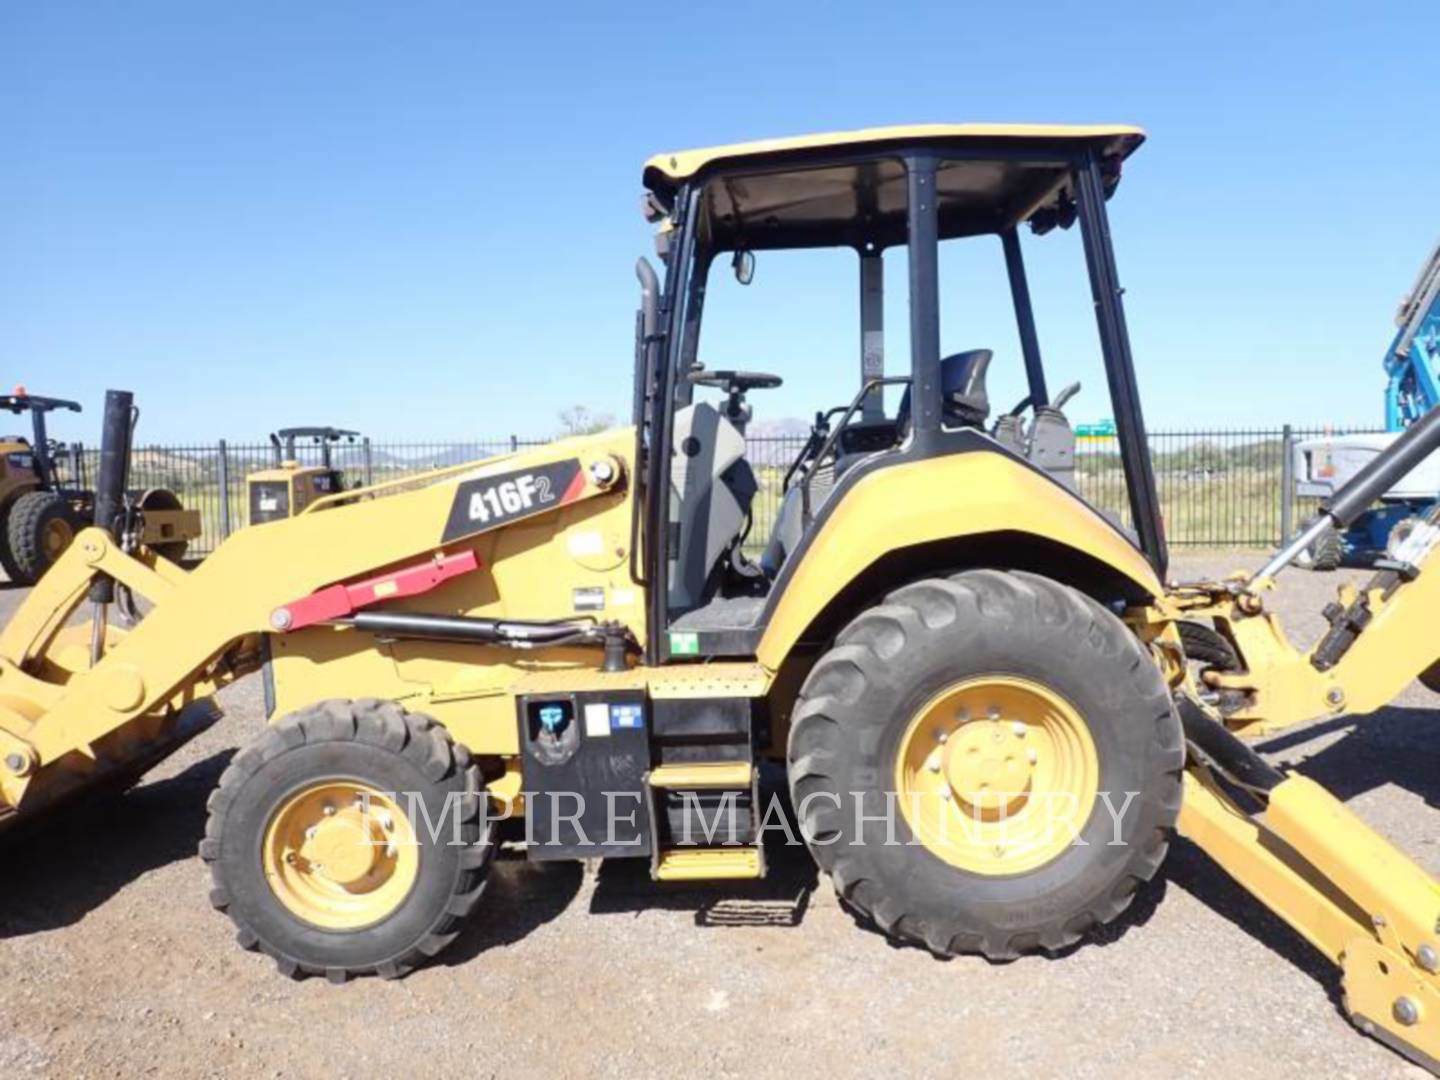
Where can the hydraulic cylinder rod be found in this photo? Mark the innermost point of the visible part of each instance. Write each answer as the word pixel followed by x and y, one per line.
pixel 1381 473
pixel 1414 445
pixel 109 499
pixel 462 628
pixel 110 483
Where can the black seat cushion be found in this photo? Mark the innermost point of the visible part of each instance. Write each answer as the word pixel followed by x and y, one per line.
pixel 964 400
pixel 962 387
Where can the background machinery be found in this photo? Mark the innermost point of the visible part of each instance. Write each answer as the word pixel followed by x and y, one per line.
pixel 288 486
pixel 41 511
pixel 1324 465
pixel 957 659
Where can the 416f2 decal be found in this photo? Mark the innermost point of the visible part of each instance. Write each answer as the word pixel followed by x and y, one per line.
pixel 483 504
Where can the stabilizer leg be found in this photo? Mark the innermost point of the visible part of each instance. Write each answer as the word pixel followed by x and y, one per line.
pixel 1345 889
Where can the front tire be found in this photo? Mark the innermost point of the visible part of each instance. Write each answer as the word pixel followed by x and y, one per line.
pixel 7 561
pixel 1325 554
pixel 1017 681
pixel 349 839
pixel 41 526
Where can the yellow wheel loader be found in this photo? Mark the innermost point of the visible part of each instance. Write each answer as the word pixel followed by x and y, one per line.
pixel 288 486
pixel 992 708
pixel 40 514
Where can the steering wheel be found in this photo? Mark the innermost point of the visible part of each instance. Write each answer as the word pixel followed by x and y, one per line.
pixel 731 381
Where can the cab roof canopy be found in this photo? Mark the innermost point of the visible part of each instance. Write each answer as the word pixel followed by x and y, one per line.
pixel 839 189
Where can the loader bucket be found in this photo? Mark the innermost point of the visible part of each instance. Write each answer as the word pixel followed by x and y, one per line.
pixel 120 761
pixel 54 676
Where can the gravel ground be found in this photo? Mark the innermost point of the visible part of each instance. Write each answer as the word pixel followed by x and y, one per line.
pixel 112 962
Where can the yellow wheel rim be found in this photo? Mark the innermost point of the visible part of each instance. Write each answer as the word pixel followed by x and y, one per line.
pixel 340 855
pixel 56 538
pixel 997 775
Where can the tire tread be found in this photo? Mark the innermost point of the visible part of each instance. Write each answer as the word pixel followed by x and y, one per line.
pixel 385 726
pixel 925 607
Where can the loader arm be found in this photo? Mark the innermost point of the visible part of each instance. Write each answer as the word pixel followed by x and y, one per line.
pixel 205 626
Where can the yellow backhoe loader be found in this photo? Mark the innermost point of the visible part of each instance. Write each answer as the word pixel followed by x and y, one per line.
pixel 992 707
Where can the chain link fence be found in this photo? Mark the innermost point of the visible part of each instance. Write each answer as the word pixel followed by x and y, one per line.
pixel 1218 488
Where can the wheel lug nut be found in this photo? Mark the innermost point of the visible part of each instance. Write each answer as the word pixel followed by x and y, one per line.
pixel 994 712
pixel 1031 756
pixel 328 811
pixel 941 735
pixel 945 792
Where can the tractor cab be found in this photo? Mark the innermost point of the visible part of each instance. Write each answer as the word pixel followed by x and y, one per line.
pixel 717 578
pixel 30 461
pixel 289 485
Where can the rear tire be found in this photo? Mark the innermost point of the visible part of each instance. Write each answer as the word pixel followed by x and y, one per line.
pixel 312 925
pixel 854 717
pixel 42 525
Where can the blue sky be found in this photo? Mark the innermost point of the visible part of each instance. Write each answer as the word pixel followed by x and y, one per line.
pixel 420 219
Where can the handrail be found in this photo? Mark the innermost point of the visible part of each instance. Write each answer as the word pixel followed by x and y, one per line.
pixel 829 444
pixel 812 442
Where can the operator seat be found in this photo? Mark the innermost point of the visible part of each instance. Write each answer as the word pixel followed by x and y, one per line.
pixel 712 487
pixel 964 402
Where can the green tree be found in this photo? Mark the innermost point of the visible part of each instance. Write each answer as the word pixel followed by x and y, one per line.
pixel 578 420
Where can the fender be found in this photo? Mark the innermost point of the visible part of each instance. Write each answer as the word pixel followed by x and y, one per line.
pixel 967 494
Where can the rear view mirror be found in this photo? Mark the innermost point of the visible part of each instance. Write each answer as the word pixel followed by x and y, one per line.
pixel 744 266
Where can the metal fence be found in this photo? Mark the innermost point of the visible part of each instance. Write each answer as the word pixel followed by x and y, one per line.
pixel 1230 488
pixel 1217 488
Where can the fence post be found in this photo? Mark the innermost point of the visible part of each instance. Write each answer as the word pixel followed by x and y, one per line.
pixel 1287 484
pixel 77 455
pixel 369 461
pixel 514 443
pixel 224 478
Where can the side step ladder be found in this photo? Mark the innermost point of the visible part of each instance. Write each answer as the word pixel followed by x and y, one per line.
pixel 704 817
